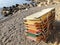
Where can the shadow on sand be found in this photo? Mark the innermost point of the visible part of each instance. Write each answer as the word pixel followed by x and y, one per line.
pixel 55 34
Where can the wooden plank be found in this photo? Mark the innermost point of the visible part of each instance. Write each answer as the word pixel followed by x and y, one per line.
pixel 32 35
pixel 34 31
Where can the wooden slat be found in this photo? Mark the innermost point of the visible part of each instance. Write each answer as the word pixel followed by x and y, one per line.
pixel 34 31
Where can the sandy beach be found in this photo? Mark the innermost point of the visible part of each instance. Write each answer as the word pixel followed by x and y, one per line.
pixel 12 29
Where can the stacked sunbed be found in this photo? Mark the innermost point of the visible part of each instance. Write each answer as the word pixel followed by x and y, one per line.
pixel 37 25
